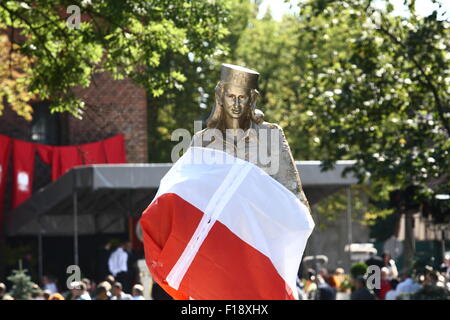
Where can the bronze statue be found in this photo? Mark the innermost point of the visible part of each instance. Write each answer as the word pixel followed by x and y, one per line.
pixel 237 127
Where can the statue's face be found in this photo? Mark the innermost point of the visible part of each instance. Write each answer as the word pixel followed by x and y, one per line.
pixel 236 101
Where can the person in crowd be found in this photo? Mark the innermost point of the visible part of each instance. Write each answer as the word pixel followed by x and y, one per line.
pixel 300 289
pixel 407 286
pixel 103 254
pixel 79 291
pixel 392 294
pixel 110 279
pixel 323 272
pixel 46 294
pixel 3 294
pixel 338 279
pixel 374 260
pixel 433 288
pixel 89 286
pixel 310 285
pixel 131 266
pixel 101 293
pixel 37 293
pixel 118 294
pixel 138 292
pixel 2 290
pixel 385 284
pixel 56 296
pixel 445 267
pixel 108 287
pixel 49 283
pixel 361 292
pixel 118 263
pixel 324 290
pixel 389 263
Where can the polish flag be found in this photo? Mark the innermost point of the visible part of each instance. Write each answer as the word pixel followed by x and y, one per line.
pixel 221 228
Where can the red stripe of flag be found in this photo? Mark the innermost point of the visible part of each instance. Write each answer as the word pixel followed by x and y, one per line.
pixel 225 267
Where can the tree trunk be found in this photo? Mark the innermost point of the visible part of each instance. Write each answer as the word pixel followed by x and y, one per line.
pixel 409 244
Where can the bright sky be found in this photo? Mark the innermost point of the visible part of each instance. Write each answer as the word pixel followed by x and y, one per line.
pixel 423 7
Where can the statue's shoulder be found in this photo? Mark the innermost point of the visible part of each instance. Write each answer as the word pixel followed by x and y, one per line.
pixel 269 125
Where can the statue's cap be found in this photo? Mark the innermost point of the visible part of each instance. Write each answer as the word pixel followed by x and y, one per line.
pixel 239 76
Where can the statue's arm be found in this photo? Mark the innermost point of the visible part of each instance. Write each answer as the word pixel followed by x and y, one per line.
pixel 288 170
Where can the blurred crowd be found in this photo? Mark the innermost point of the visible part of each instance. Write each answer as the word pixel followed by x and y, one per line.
pixel 83 290
pixel 116 278
pixel 426 284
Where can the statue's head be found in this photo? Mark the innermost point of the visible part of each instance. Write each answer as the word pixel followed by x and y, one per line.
pixel 235 96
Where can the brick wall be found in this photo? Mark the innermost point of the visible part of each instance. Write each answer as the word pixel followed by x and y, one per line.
pixel 113 106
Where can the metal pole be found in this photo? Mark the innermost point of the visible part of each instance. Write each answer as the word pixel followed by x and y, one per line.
pixel 349 227
pixel 75 226
pixel 40 259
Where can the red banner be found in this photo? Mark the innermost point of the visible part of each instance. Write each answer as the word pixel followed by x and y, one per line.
pixel 23 168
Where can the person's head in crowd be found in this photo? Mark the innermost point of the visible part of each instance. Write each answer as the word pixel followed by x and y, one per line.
pixel 123 244
pixel 101 293
pixel 107 286
pixel 394 283
pixel 87 282
pixel 46 294
pixel 405 275
pixel 56 296
pixel 110 278
pixel 332 282
pixel 78 289
pixel 128 246
pixel 311 274
pixel 323 272
pixel 107 244
pixel 386 258
pixel 339 271
pixel 360 282
pixel 37 293
pixel 138 290
pixel 117 289
pixel 2 290
pixel 431 277
pixel 447 260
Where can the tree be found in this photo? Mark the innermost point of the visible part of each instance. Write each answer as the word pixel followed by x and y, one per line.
pixel 23 288
pixel 126 38
pixel 384 101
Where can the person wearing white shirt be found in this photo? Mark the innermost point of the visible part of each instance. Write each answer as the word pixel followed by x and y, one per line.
pixel 118 294
pixel 79 292
pixel 407 287
pixel 390 264
pixel 138 292
pixel 49 284
pixel 117 263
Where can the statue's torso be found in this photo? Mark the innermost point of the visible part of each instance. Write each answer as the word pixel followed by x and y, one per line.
pixel 264 145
